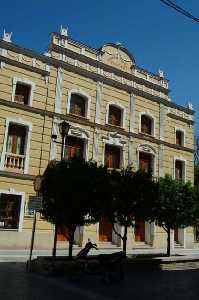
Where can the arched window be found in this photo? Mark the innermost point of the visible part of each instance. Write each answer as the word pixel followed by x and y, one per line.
pixel 114 115
pixel 147 124
pixel 78 105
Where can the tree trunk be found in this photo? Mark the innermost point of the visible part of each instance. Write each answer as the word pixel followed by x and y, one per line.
pixel 124 239
pixel 71 241
pixel 55 241
pixel 168 241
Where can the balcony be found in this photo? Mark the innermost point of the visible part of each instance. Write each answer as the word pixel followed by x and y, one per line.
pixel 14 162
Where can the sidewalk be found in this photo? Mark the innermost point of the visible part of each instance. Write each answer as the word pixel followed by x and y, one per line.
pixel 23 255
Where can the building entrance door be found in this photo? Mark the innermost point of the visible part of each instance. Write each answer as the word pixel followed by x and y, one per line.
pixel 105 230
pixel 139 231
pixel 176 235
pixel 62 234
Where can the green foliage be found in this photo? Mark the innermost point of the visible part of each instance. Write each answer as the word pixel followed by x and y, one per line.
pixel 129 199
pixel 176 206
pixel 71 191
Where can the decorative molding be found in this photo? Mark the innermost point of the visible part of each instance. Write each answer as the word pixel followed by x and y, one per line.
pixel 174 116
pixel 90 74
pixel 7 36
pixel 83 121
pixel 146 148
pixel 23 65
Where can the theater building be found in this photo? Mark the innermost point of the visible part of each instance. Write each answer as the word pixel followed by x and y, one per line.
pixel 120 115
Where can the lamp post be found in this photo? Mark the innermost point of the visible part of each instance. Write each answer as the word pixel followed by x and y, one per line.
pixel 63 130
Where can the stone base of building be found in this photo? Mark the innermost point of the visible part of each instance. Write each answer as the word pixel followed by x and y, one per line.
pixel 151 237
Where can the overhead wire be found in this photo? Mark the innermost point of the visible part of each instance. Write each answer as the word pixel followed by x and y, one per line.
pixel 180 10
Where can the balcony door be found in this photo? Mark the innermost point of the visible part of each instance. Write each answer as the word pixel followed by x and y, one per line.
pixel 145 162
pixel 139 230
pixel 74 147
pixel 105 230
pixel 112 156
pixel 16 139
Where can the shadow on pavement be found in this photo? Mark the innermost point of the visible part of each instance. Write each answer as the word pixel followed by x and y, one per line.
pixel 141 283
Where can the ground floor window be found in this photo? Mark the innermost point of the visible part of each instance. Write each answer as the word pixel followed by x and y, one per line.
pixel 9 211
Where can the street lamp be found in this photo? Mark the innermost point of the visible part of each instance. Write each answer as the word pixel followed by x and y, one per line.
pixel 63 130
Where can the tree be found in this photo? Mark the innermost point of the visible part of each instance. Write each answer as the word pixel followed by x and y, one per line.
pixel 130 192
pixel 71 191
pixel 176 206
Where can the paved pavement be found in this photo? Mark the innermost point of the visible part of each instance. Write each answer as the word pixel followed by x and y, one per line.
pixel 16 284
pixel 22 255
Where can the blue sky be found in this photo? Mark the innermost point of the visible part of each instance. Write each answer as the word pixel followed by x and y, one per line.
pixel 157 36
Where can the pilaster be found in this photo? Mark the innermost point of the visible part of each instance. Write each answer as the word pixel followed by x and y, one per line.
pixel 58 96
pixel 98 102
pixel 132 112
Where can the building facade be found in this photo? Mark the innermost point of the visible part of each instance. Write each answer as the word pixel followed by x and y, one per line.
pixel 119 114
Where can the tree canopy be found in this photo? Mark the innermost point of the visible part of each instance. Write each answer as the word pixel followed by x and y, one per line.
pixel 71 192
pixel 176 205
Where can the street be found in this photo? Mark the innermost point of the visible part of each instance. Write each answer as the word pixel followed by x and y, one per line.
pixel 16 284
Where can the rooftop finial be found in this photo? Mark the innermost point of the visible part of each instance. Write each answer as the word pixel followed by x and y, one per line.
pixel 189 105
pixel 161 73
pixel 7 36
pixel 64 31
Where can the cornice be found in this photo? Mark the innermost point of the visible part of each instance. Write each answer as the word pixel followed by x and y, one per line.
pixel 24 66
pixel 109 68
pixel 99 51
pixel 17 175
pixel 173 116
pixel 86 122
pixel 86 73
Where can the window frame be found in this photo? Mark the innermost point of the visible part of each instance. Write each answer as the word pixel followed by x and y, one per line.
pixel 25 81
pixel 28 125
pixel 87 98
pixel 22 208
pixel 184 167
pixel 153 125
pixel 183 135
pixel 121 162
pixel 122 109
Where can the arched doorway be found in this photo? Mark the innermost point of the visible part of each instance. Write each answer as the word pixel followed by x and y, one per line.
pixel 105 230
